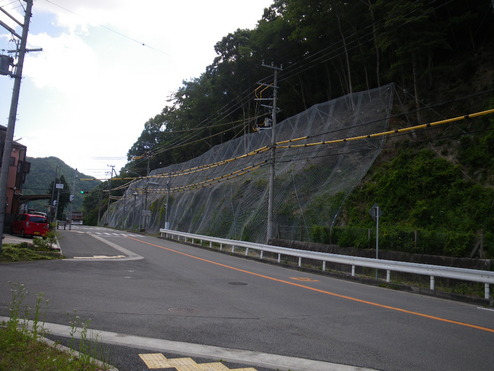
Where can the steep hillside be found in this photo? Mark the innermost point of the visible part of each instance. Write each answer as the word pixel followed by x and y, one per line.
pixel 434 185
pixel 43 173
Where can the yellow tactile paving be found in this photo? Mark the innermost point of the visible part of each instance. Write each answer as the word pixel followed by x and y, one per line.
pixel 183 364
pixel 154 360
pixel 158 360
pixel 217 366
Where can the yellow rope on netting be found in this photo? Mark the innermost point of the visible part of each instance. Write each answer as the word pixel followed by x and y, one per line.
pixel 201 184
pixel 384 133
pixel 280 145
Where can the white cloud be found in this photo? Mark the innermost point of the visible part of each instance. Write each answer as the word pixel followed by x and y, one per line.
pixel 89 93
pixel 66 62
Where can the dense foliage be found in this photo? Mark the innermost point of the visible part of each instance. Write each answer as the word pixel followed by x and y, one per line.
pixel 441 196
pixel 327 49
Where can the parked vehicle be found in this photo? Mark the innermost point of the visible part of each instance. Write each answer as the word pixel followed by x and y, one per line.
pixel 31 225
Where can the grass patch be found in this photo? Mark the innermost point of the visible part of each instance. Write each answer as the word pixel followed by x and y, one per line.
pixel 20 345
pixel 39 249
pixel 19 351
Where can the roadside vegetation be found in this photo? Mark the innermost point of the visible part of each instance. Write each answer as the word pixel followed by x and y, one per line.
pixel 436 199
pixel 22 346
pixel 39 249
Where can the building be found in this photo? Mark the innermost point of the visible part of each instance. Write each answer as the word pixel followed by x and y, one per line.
pixel 18 169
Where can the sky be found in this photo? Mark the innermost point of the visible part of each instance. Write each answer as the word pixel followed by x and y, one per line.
pixel 107 67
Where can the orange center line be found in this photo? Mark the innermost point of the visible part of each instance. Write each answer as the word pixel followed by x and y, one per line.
pixel 322 291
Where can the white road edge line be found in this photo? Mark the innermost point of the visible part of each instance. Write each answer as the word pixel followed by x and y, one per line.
pixel 488 309
pixel 272 361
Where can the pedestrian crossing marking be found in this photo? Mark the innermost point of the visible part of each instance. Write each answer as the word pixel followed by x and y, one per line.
pixel 158 360
pixel 110 234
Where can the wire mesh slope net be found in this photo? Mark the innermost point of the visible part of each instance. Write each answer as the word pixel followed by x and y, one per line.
pixel 321 154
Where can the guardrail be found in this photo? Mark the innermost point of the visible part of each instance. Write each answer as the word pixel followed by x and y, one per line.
pixel 472 275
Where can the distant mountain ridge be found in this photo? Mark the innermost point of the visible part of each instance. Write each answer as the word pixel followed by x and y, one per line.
pixel 45 170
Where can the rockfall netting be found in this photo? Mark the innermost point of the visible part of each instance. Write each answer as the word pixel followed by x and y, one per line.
pixel 321 155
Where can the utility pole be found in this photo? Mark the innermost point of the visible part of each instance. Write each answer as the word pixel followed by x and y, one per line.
pixel 274 111
pixel 52 200
pixel 58 186
pixel 72 199
pixel 9 137
pixel 99 206
pixel 109 190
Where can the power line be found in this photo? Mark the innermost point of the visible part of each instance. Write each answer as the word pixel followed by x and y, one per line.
pixel 118 33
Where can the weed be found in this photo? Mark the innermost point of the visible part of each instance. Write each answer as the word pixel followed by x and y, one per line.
pixel 19 345
pixel 89 346
pixel 18 293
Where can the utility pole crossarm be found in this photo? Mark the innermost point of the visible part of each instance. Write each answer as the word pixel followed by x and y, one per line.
pixel 273 67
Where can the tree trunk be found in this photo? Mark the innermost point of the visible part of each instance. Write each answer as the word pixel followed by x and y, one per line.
pixel 415 87
pixel 347 58
pixel 374 36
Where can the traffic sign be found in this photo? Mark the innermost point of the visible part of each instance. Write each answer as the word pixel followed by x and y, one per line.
pixel 375 212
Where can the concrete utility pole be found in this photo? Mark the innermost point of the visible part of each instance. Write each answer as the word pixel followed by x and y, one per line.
pixel 274 109
pixel 167 223
pixel 72 199
pixel 109 190
pixel 9 137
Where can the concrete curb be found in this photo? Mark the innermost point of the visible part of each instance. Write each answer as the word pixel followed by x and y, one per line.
pixel 247 357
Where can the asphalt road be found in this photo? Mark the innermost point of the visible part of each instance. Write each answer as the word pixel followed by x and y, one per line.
pixel 159 289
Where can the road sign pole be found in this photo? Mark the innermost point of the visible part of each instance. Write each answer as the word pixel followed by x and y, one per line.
pixel 377 232
pixel 375 213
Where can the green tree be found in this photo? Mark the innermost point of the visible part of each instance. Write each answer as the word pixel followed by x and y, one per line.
pixel 94 205
pixel 410 35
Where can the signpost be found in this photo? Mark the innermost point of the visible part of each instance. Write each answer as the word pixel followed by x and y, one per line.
pixel 58 187
pixel 375 212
